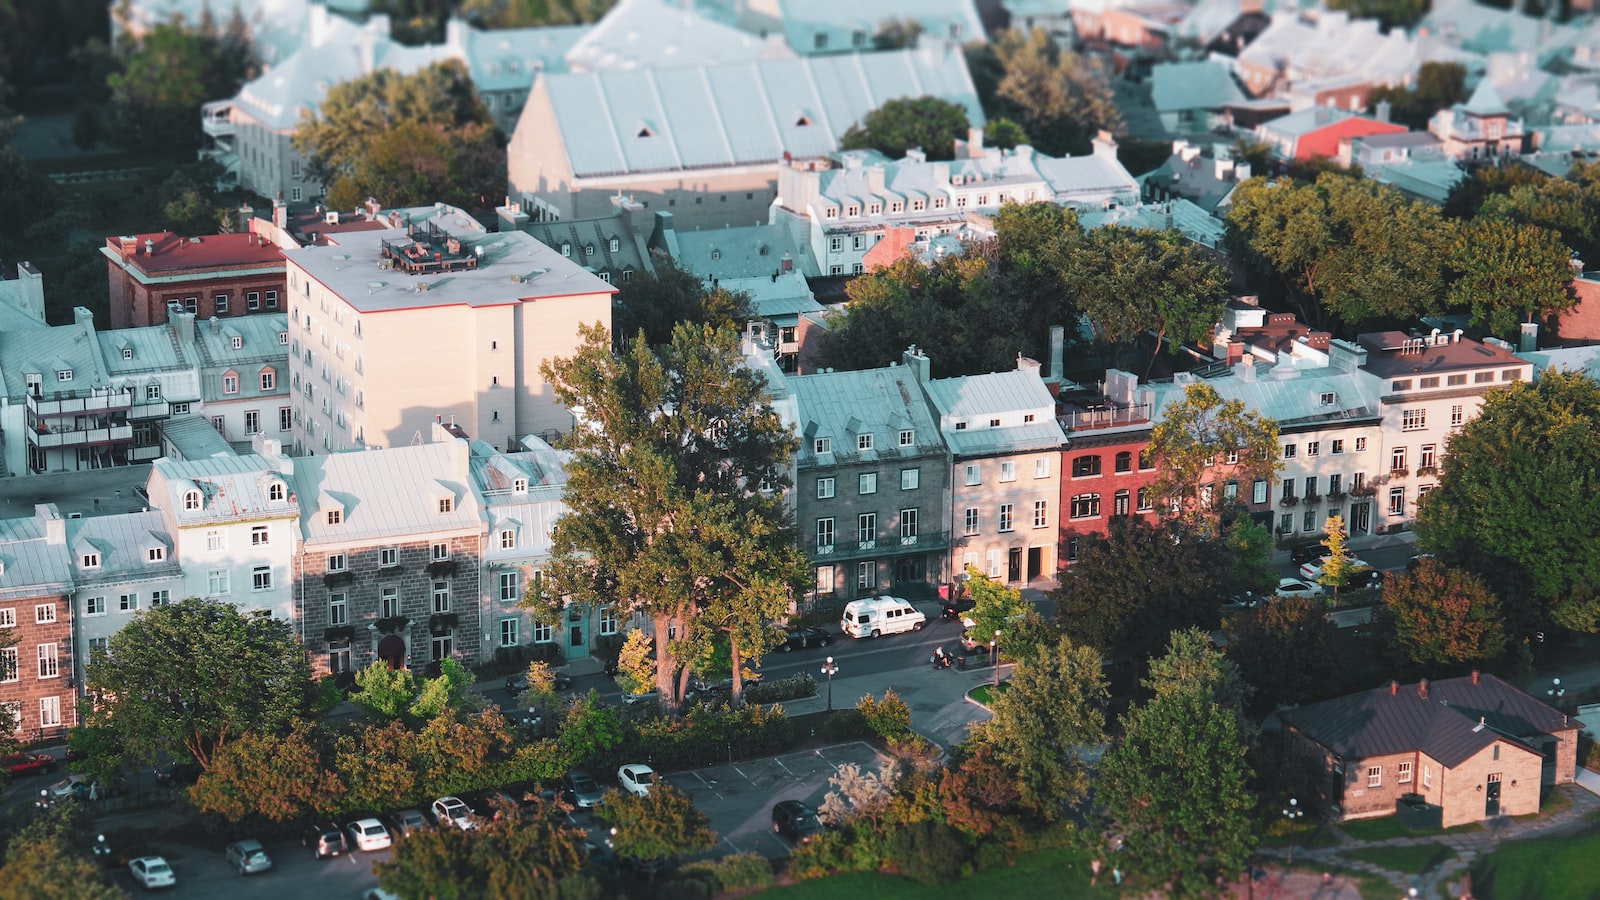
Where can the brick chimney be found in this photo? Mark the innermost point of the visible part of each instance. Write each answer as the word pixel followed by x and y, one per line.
pixel 1422 689
pixel 1394 687
pixel 1474 677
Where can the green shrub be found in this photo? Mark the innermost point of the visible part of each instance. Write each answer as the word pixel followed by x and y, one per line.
pixel 708 734
pixel 845 724
pixel 927 851
pixel 889 718
pixel 794 687
pixel 824 855
pixel 688 888
pixel 741 871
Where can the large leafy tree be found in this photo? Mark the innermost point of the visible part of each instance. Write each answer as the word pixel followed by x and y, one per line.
pixel 1344 246
pixel 1137 583
pixel 668 514
pixel 1569 206
pixel 1175 785
pixel 533 13
pixel 406 139
pixel 185 679
pixel 1059 97
pixel 1442 616
pixel 1202 444
pixel 899 125
pixel 996 607
pixel 168 73
pixel 1046 723
pixel 1283 650
pixel 1507 272
pixel 1516 501
pixel 10 727
pixel 523 854
pixel 1439 86
pixel 45 860
pixel 271 777
pixel 657 826
pixel 1130 282
pixel 655 303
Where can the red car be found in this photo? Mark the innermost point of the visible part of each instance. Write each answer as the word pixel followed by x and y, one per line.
pixel 28 763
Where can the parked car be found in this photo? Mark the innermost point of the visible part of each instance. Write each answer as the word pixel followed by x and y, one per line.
pixel 406 822
pixel 953 609
pixel 369 835
pixel 801 636
pixel 326 840
pixel 19 764
pixel 1308 551
pixel 1294 587
pixel 82 787
pixel 248 856
pixel 450 811
pixel 795 821
pixel 152 872
pixel 1416 562
pixel 580 789
pixel 646 697
pixel 490 805
pixel 636 778
pixel 875 616
pixel 1311 571
pixel 175 774
pixel 516 684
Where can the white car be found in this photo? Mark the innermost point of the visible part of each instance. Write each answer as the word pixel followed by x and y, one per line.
pixel 451 811
pixel 1311 571
pixel 369 834
pixel 646 697
pixel 636 778
pixel 152 872
pixel 1294 587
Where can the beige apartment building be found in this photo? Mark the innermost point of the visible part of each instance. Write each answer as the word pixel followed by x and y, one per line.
pixel 435 321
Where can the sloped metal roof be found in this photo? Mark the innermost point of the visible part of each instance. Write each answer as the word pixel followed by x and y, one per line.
pixel 29 563
pixel 124 542
pixel 388 493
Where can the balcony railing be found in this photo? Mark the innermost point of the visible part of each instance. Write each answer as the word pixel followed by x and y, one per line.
pixel 923 542
pixel 868 544
pixel 157 409
pixel 1289 501
pixel 1105 417
pixel 1427 470
pixel 86 437
pixel 67 405
pixel 1399 473
pixel 216 119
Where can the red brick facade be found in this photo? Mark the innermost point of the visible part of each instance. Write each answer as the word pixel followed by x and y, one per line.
pixel 1101 477
pixel 217 275
pixel 40 686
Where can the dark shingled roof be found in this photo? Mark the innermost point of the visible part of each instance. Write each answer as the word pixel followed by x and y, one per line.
pixel 1444 724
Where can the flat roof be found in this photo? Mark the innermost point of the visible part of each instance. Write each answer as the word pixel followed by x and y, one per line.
pixel 172 252
pixel 511 267
pixel 1391 353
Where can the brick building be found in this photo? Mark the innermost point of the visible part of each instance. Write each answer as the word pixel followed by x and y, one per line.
pixel 216 275
pixel 36 671
pixel 1104 469
pixel 1471 748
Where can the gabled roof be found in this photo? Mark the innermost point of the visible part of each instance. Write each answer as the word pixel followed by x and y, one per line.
pixel 1204 84
pixel 124 542
pixel 393 492
pixel 839 20
pixel 1442 720
pixel 993 393
pixel 30 565
pixel 752 113
pixel 641 34
pixel 1485 101
pixel 507 59
pixel 49 350
pixel 748 251
pixel 881 402
pixel 153 351
pixel 232 489
pixel 192 437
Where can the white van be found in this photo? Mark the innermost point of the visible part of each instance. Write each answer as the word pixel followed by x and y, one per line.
pixel 880 615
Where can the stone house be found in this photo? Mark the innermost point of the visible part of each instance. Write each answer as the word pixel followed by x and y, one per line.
pixel 1472 748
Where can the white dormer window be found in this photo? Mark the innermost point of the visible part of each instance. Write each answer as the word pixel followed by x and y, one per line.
pixel 566 249
pixel 63 374
pixel 275 492
pixel 236 342
pixel 335 516
pixel 446 504
pixel 519 486
pixel 230 383
pixel 191 500
pixel 508 539
pixel 822 445
pixel 283 338
pixel 155 554
pixel 1326 399
pixel 127 353
pixel 91 560
pixel 907 437
pixel 864 442
pixel 615 245
pixel 588 249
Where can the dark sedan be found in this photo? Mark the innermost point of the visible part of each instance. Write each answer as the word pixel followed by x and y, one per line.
pixel 805 636
pixel 795 821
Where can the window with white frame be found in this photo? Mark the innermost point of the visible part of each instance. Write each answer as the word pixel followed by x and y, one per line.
pixel 1338 446
pixel 1361 444
pixel 543 633
pixel 992 562
pixel 1374 776
pixel 1119 503
pixel 128 602
pixel 441 596
pixel 1086 466
pixel 440 552
pixel 1007 514
pixel 824 488
pixel 869 482
pixel 1289 450
pixel 337 562
pixel 389 601
pixel 1041 511
pixel 825 533
pixel 261 578
pixel 230 383
pixel 49 712
pixel 908 437
pixel 49 663
pixel 1313 448
pixel 508 631
pixel 338 608
pixel 1008 471
pixel 822 445
pixel 971 520
pixel 9 670
pixel 1085 506
pixel 335 516
pixel 1413 419
pixel 1427 776
pixel 974 475
pixel 161 597
pixel 103 645
pixel 1397 501
pixel 910 479
pixel 1145 500
pixel 216 540
pixel 508 539
pixel 94 606
pixel 510 586
pixel 1428 459
pixel 260 536
pixel 866 575
pixel 44 613
pixel 867 527
pixel 388 556
pixel 1397 459
pixel 1041 467
pixel 1456 416
pixel 864 441
pixel 610 622
pixel 90 560
pixel 1403 773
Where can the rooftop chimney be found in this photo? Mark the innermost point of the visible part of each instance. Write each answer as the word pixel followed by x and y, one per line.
pixel 280 213
pixel 1394 687
pixel 1474 676
pixel 1422 689
pixel 918 361
pixel 1058 343
pixel 149 247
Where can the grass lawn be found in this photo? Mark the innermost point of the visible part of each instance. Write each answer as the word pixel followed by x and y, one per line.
pixel 1062 872
pixel 1412 860
pixel 1389 827
pixel 1305 836
pixel 985 693
pixel 1548 867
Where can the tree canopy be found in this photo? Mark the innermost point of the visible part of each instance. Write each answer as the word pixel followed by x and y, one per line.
pixel 657 826
pixel 407 139
pixel 1439 616
pixel 1508 272
pixel 1202 445
pixel 1440 85
pixel 185 679
pixel 655 303
pixel 665 515
pixel 1175 785
pixel 1058 97
pixel 521 854
pixel 1516 500
pixel 899 125
pixel 1282 648
pixel 166 75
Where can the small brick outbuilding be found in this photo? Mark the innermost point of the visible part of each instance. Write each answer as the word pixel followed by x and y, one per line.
pixel 1474 747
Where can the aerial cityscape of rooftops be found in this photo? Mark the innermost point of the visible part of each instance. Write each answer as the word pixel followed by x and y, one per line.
pixel 1066 448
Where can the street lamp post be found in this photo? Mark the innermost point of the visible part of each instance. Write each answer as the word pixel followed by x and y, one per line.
pixel 994 656
pixel 1556 691
pixel 829 669
pixel 1292 813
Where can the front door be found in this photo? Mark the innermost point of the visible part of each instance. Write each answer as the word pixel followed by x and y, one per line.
pixel 1014 564
pixel 1491 796
pixel 1035 562
pixel 1361 517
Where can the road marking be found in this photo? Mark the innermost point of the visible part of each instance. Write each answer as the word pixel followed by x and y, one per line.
pixel 784 767
pixel 741 774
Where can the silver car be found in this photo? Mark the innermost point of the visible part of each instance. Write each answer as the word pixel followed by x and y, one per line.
pixel 249 857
